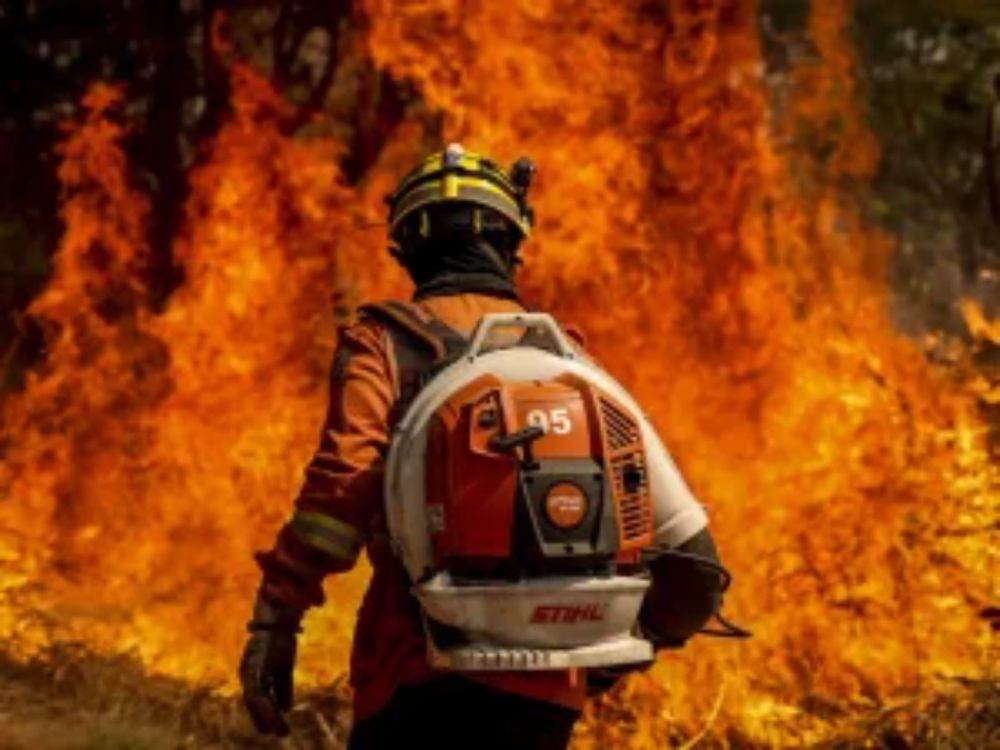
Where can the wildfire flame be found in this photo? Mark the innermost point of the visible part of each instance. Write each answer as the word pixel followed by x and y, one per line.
pixel 718 273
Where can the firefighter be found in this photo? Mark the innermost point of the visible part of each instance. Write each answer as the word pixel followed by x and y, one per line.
pixel 456 224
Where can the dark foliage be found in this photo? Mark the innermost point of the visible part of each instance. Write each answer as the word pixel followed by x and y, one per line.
pixel 172 57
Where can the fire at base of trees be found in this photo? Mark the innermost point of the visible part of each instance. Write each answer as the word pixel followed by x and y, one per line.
pixel 780 208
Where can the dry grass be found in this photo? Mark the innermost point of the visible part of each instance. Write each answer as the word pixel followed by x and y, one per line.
pixel 966 717
pixel 73 700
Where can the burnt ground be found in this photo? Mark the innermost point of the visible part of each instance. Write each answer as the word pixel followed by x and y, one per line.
pixel 75 701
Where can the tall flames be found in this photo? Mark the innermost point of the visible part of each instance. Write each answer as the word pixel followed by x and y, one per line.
pixel 720 274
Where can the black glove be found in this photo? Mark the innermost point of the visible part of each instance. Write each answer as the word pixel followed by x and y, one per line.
pixel 685 593
pixel 267 665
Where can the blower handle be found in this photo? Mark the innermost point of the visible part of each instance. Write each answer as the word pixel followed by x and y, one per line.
pixel 524 438
pixel 538 322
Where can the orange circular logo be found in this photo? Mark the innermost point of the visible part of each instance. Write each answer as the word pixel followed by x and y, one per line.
pixel 565 505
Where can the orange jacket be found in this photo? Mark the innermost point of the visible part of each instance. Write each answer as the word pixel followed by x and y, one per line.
pixel 339 509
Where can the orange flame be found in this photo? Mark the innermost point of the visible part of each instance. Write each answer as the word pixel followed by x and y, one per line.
pixel 721 275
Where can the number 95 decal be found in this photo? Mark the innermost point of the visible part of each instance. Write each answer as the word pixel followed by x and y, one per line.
pixel 554 421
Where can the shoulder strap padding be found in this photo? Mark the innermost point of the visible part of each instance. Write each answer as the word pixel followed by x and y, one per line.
pixel 412 319
pixel 421 345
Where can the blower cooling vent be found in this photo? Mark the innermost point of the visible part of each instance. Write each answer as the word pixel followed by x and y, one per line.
pixel 628 471
pixel 632 487
pixel 622 431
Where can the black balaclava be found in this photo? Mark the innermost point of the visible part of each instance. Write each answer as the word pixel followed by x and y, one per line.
pixel 448 250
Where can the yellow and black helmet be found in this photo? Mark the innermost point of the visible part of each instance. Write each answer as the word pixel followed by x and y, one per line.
pixel 461 177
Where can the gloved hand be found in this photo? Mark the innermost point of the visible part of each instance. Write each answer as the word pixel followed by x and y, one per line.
pixel 685 592
pixel 268 663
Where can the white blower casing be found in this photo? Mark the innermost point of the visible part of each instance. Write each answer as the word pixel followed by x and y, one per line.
pixel 550 622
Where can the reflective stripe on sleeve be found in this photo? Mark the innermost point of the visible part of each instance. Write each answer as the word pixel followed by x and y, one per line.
pixel 336 538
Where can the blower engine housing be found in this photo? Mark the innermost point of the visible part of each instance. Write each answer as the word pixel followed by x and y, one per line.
pixel 520 491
